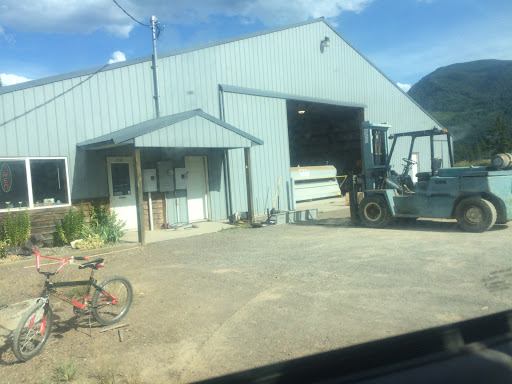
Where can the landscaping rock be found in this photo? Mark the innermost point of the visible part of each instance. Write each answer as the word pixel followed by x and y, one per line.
pixel 37 240
pixel 73 243
pixel 27 247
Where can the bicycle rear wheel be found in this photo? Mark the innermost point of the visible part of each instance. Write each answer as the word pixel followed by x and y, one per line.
pixel 32 332
pixel 112 302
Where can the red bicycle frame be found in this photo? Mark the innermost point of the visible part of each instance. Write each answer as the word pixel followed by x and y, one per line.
pixel 50 286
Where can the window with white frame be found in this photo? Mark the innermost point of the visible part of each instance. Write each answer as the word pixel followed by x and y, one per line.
pixel 33 182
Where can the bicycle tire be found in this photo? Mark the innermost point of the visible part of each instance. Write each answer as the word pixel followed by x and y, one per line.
pixel 112 302
pixel 32 332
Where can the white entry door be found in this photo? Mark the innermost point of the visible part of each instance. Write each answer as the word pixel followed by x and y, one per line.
pixel 121 186
pixel 197 192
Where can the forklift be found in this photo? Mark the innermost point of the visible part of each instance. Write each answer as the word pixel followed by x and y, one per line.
pixel 477 197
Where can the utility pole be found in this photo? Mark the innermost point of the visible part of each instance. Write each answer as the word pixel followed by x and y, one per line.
pixel 154 67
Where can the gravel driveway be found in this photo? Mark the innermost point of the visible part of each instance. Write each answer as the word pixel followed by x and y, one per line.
pixel 241 298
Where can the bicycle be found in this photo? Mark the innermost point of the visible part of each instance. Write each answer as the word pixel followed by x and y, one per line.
pixel 110 302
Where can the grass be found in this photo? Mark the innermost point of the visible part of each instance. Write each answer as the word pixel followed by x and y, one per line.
pixel 66 372
pixel 10 258
pixel 108 376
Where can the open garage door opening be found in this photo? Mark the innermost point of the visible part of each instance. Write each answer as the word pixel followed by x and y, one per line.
pixel 324 134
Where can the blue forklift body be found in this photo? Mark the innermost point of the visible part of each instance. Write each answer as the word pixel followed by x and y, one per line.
pixel 437 197
pixel 437 193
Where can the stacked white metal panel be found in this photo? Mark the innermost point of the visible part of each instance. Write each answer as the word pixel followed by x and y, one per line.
pixel 316 182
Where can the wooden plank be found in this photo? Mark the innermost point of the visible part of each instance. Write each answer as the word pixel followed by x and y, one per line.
pixel 140 198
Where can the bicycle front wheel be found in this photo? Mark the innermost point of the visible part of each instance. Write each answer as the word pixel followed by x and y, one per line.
pixel 112 302
pixel 32 332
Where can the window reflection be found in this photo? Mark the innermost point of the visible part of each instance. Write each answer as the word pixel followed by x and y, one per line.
pixel 14 190
pixel 120 179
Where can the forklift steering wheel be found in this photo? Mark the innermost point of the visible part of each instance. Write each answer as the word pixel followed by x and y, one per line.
pixel 409 162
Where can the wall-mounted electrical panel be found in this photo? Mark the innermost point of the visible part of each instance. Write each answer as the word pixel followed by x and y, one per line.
pixel 165 176
pixel 180 176
pixel 149 182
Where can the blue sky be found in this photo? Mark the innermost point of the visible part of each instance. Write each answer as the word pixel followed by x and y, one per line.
pixel 406 39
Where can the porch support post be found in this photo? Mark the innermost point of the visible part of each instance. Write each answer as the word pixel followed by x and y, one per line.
pixel 248 181
pixel 139 198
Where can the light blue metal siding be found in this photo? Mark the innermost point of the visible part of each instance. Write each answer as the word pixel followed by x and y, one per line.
pixel 269 162
pixel 50 119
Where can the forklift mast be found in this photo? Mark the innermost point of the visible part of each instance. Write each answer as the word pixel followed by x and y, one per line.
pixel 375 165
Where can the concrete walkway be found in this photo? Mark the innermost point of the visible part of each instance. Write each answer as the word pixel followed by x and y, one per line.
pixel 200 228
pixel 169 234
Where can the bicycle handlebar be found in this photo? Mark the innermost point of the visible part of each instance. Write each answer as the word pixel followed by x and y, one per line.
pixel 63 261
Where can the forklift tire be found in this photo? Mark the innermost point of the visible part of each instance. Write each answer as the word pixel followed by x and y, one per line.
pixel 475 214
pixel 374 212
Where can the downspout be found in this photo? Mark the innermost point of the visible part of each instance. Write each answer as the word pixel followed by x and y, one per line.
pixel 154 67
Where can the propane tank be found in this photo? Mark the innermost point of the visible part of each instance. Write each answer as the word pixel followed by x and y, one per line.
pixel 501 161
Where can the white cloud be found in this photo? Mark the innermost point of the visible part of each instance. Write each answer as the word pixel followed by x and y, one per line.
pixel 405 87
pixel 9 79
pixel 6 36
pixel 117 57
pixel 87 16
pixel 269 12
pixel 65 16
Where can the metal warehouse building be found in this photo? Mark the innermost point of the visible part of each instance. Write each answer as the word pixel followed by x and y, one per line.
pixel 225 110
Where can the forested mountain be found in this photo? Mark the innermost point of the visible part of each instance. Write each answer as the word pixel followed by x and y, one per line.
pixel 474 102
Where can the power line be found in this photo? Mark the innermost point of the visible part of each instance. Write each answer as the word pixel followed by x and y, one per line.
pixel 130 16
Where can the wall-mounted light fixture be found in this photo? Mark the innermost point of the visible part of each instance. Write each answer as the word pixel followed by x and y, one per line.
pixel 324 44
pixel 301 111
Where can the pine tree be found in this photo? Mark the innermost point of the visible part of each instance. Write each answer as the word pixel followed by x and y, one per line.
pixel 499 137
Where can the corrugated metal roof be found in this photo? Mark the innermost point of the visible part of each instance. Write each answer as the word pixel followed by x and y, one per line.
pixel 130 134
pixel 108 67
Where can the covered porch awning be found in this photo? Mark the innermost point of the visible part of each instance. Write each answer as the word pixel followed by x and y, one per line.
pixel 191 129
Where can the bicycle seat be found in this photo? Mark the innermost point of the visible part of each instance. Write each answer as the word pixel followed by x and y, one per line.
pixel 98 263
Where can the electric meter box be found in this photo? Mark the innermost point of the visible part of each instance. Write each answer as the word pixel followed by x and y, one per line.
pixel 165 176
pixel 180 175
pixel 149 182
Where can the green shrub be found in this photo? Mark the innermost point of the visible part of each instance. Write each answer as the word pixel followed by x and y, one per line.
pixel 15 230
pixel 98 213
pixel 3 249
pixel 73 224
pixel 106 225
pixel 111 229
pixel 69 228
pixel 59 237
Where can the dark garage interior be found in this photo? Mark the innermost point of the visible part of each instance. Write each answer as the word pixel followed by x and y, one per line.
pixel 324 134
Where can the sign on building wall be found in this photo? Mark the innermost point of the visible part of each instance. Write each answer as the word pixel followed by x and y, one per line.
pixel 5 171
